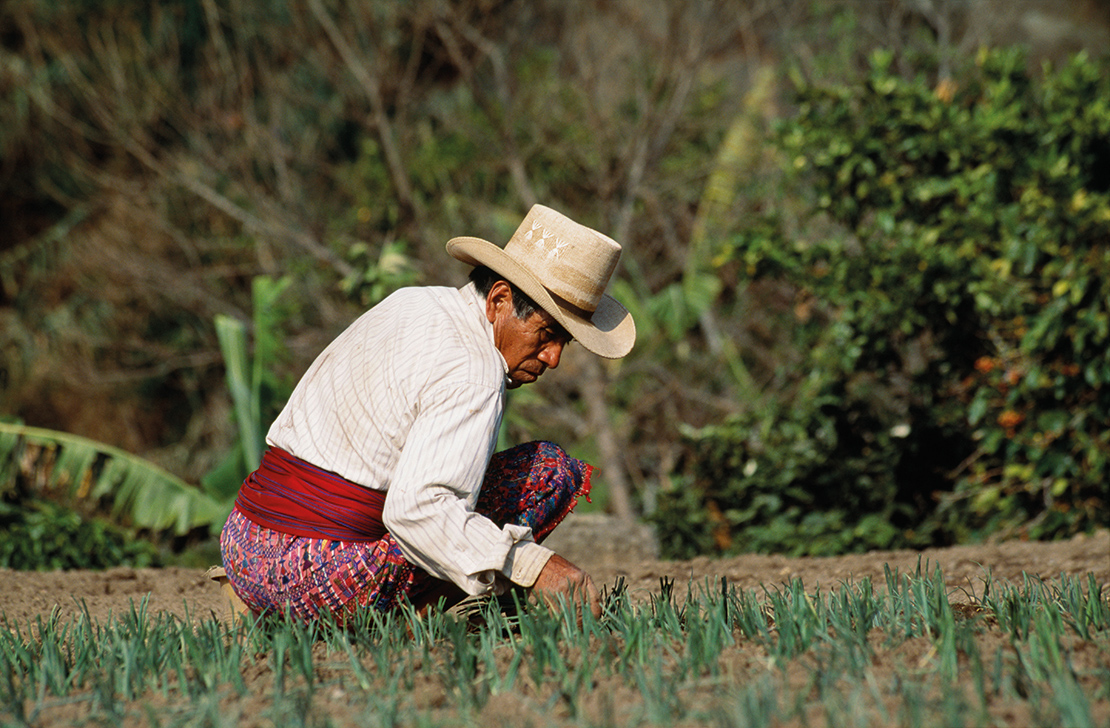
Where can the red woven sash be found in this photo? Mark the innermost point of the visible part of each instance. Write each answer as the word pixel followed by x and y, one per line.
pixel 292 496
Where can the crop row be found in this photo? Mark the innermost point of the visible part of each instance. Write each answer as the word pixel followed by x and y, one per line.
pixel 905 652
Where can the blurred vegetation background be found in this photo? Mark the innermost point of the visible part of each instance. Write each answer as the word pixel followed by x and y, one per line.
pixel 866 245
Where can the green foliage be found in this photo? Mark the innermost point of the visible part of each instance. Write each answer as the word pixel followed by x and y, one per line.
pixel 801 482
pixel 211 142
pixel 67 502
pixel 951 300
pixel 78 472
pixel 257 391
pixel 42 535
pixel 377 277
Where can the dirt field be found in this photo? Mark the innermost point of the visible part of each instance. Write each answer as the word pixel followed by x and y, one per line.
pixel 603 549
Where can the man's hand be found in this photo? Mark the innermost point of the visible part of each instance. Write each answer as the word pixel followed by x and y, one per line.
pixel 562 580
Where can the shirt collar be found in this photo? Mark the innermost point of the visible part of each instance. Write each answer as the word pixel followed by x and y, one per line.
pixel 476 300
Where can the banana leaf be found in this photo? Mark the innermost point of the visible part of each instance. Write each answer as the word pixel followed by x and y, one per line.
pixel 232 335
pixel 73 469
pixel 246 376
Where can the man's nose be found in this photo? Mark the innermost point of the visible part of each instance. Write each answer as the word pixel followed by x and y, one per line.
pixel 550 354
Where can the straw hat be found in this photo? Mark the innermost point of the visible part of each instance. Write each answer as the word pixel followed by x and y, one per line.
pixel 564 267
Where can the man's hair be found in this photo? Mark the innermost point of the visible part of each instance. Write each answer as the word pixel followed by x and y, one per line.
pixel 483 279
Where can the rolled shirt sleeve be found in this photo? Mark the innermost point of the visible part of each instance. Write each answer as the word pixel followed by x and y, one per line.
pixel 525 562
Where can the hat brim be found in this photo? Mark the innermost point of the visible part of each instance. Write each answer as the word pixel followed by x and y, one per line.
pixel 610 332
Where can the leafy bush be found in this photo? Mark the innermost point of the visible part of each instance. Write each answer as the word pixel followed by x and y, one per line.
pixel 58 492
pixel 41 535
pixel 951 300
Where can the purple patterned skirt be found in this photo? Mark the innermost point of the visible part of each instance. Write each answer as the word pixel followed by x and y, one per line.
pixel 535 484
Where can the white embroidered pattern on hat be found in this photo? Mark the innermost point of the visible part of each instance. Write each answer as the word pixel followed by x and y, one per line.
pixel 541 241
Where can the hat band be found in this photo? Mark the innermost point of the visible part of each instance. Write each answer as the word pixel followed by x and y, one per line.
pixel 570 307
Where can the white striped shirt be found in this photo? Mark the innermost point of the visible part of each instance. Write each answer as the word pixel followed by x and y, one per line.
pixel 409 400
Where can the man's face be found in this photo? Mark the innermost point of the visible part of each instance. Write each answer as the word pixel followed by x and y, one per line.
pixel 530 346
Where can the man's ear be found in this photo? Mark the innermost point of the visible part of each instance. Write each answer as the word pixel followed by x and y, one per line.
pixel 499 299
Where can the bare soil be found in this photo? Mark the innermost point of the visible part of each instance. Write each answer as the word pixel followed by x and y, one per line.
pixel 590 543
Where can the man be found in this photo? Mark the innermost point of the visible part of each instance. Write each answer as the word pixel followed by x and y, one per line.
pixel 381 484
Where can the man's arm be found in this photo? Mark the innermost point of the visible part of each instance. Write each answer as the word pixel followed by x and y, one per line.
pixel 430 502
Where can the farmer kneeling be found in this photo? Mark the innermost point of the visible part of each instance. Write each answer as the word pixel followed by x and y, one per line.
pixel 381 484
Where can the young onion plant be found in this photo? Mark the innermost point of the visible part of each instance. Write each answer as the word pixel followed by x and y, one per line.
pixel 908 652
